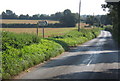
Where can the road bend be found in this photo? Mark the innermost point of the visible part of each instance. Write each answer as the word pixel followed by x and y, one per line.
pixel 95 59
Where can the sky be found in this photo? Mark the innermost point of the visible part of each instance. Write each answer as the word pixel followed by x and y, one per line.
pixel 31 7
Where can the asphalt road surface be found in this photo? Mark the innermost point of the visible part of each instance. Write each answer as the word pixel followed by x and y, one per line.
pixel 95 59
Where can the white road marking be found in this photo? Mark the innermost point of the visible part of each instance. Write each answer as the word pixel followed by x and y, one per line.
pixel 89 63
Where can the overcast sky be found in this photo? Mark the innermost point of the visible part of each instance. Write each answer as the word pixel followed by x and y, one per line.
pixel 52 6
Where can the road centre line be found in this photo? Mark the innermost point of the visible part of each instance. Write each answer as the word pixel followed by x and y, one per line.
pixel 89 62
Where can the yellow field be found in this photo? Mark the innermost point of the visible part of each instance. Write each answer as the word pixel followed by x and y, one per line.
pixel 11 21
pixel 48 31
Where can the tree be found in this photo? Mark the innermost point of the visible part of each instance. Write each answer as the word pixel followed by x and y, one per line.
pixel 97 20
pixel 89 20
pixel 105 19
pixel 44 16
pixel 35 16
pixel 27 16
pixel 22 16
pixel 76 15
pixel 58 15
pixel 9 15
pixel 114 12
pixel 3 15
pixel 68 19
pixel 9 12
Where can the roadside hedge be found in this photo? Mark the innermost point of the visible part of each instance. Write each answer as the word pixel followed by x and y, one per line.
pixel 10 39
pixel 16 60
pixel 22 51
pixel 75 38
pixel 108 28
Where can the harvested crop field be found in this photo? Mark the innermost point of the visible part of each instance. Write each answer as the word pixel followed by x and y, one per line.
pixel 48 31
pixel 14 21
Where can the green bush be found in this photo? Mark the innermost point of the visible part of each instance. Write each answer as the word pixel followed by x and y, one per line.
pixel 74 41
pixel 18 41
pixel 73 38
pixel 62 43
pixel 108 28
pixel 17 60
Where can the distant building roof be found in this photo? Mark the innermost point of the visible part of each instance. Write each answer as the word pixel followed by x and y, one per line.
pixel 112 1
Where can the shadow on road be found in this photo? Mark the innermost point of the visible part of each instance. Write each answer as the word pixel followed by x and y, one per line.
pixel 106 53
pixel 110 73
pixel 98 60
pixel 107 57
pixel 108 37
pixel 102 52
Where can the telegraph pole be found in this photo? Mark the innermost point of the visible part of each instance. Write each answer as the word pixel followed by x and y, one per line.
pixel 79 16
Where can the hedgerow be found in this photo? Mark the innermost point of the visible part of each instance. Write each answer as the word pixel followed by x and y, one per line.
pixel 75 38
pixel 74 41
pixel 16 60
pixel 18 41
pixel 22 51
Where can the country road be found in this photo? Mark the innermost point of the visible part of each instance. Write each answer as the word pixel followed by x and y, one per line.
pixel 95 59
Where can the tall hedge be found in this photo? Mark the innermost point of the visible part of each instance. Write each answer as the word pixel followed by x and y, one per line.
pixel 16 60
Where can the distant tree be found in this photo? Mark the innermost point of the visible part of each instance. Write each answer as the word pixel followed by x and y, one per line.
pixel 90 20
pixel 44 16
pixel 105 19
pixel 9 12
pixel 58 15
pixel 27 16
pixel 22 16
pixel 3 15
pixel 52 17
pixel 97 20
pixel 9 15
pixel 76 15
pixel 68 19
pixel 35 17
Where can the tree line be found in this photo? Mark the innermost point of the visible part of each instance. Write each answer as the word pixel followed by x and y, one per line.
pixel 96 20
pixel 66 18
pixel 9 14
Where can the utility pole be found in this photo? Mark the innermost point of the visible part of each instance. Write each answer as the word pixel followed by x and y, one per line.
pixel 93 19
pixel 79 16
